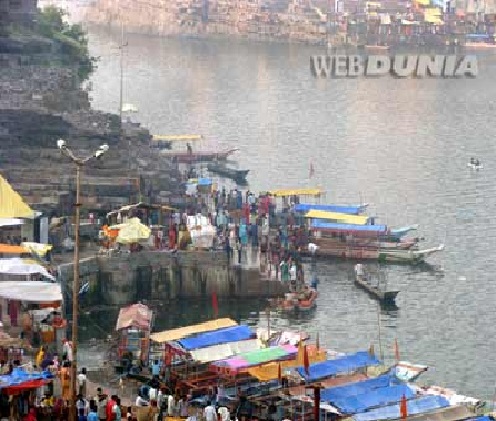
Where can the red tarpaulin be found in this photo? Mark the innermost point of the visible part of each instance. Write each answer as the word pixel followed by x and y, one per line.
pixel 18 388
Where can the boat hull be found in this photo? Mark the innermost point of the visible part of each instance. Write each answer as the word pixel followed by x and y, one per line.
pixel 385 297
pixel 188 158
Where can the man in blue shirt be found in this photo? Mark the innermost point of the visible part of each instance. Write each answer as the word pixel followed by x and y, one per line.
pixel 155 368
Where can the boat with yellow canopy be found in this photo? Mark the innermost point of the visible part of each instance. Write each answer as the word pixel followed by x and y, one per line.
pixel 337 217
pixel 296 192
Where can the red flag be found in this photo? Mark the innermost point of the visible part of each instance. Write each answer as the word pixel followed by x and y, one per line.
pixel 312 170
pixel 306 362
pixel 396 351
pixel 279 373
pixel 403 408
pixel 215 304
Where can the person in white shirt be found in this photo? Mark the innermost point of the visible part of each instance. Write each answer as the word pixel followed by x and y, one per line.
pixel 224 413
pixel 82 379
pixel 209 412
pixel 141 402
pixel 170 405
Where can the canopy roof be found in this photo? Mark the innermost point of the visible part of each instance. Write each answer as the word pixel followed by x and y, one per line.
pixel 20 379
pixel 342 218
pixel 10 249
pixel 254 358
pixel 380 229
pixel 347 209
pixel 10 222
pixel 32 291
pixel 295 192
pixel 18 266
pixel 414 407
pixel 223 351
pixel 353 389
pixel 182 332
pixel 372 399
pixel 135 315
pixel 341 365
pixel 228 334
pixel 11 203
pixel 270 371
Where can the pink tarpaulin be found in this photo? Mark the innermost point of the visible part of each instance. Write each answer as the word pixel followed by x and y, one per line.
pixel 135 315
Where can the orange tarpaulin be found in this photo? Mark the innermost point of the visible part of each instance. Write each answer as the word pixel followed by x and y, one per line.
pixel 9 249
pixel 270 371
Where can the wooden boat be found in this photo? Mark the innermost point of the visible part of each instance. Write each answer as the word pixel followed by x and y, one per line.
pixel 377 48
pixel 475 167
pixel 348 251
pixel 298 301
pixel 363 280
pixel 201 156
pixel 239 176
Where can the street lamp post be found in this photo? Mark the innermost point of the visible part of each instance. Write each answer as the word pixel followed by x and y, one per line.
pixel 79 162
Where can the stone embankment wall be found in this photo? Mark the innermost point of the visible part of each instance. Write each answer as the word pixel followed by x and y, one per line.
pixel 39 104
pixel 160 276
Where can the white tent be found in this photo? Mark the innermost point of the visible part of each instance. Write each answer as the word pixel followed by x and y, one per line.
pixel 17 266
pixel 32 291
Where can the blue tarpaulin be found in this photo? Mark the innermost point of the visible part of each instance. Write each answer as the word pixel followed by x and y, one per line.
pixel 348 227
pixel 342 365
pixel 481 418
pixel 221 336
pixel 414 407
pixel 204 181
pixel 19 376
pixel 357 388
pixel 374 398
pixel 348 209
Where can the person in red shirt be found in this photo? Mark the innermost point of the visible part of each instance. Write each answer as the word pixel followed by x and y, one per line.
pixel 108 409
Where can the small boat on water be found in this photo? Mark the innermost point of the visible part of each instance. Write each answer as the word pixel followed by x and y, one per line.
pixel 304 300
pixel 188 157
pixel 238 176
pixel 475 164
pixel 364 280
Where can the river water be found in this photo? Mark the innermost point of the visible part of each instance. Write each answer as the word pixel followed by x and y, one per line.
pixel 400 145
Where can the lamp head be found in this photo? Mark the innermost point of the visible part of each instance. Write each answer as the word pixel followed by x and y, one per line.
pixel 61 144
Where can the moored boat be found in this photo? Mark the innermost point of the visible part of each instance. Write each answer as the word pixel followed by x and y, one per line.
pixel 201 156
pixel 239 176
pixel 364 281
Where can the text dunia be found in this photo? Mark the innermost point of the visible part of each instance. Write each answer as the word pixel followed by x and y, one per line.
pixel 397 66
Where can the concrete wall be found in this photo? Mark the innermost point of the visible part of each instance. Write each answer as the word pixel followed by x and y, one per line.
pixel 158 276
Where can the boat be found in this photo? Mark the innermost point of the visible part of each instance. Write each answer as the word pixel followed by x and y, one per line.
pixel 187 157
pixel 133 327
pixel 377 48
pixel 363 279
pixel 239 176
pixel 408 256
pixel 475 166
pixel 304 300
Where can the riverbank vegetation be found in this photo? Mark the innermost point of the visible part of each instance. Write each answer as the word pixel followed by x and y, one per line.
pixel 68 43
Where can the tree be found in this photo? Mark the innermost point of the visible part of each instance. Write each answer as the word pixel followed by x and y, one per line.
pixel 69 39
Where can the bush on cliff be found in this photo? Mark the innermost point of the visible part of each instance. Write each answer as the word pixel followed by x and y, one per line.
pixel 69 38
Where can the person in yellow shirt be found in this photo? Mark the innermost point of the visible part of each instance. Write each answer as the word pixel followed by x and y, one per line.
pixel 39 357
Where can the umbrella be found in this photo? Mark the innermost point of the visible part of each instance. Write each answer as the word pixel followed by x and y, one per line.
pixel 133 232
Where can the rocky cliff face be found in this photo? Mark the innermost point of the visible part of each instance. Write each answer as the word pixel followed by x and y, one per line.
pixel 40 104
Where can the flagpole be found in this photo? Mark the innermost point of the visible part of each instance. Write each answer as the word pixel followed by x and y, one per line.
pixel 379 330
